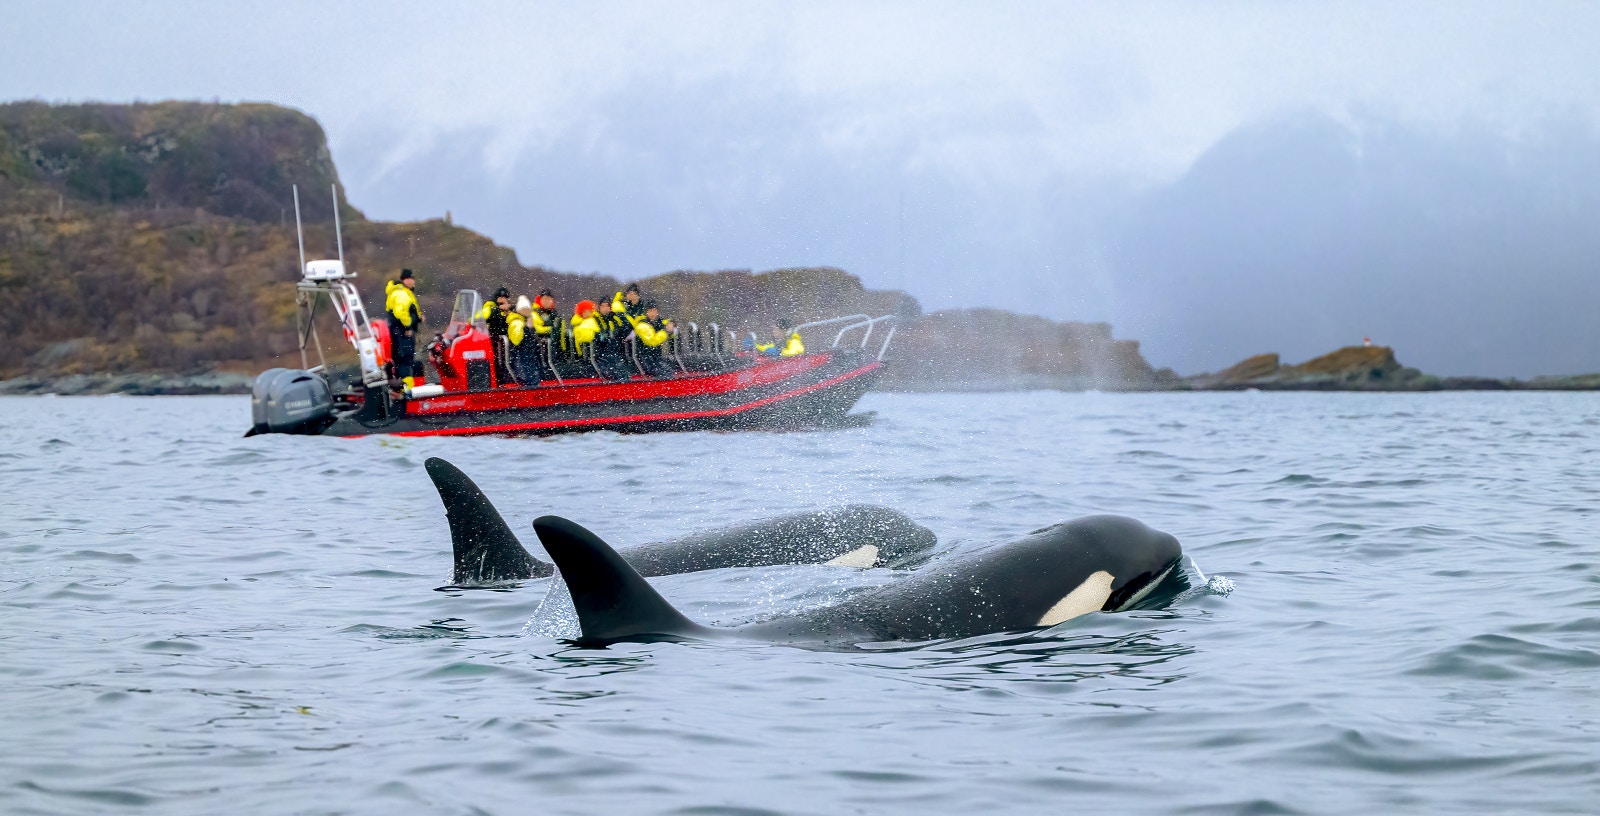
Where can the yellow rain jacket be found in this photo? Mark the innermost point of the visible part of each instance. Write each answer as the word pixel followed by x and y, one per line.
pixel 516 327
pixel 651 333
pixel 584 329
pixel 401 303
pixel 620 308
pixel 793 348
pixel 540 324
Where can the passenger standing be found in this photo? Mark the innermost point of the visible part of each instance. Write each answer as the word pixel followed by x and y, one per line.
pixel 405 320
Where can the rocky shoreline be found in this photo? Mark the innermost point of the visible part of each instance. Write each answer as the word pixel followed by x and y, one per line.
pixel 144 384
pixel 1355 368
pixel 1364 368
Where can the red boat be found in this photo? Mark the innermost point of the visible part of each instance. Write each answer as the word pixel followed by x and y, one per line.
pixel 713 384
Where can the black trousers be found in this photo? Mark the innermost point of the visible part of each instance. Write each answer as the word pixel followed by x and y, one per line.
pixel 404 347
pixel 501 348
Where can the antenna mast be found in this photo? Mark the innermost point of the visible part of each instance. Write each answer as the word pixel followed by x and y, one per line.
pixel 337 235
pixel 300 236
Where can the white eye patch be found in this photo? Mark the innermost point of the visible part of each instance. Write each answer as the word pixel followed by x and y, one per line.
pixel 863 557
pixel 1088 597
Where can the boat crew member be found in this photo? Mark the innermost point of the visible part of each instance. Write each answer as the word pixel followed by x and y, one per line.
pixel 626 304
pixel 405 320
pixel 790 348
pixel 652 332
pixel 494 315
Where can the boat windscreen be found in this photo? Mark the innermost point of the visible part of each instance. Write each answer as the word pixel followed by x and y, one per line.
pixel 465 313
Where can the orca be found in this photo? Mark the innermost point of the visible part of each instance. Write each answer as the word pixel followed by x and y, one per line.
pixel 1091 564
pixel 859 535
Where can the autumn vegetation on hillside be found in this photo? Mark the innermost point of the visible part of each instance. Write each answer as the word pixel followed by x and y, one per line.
pixel 160 237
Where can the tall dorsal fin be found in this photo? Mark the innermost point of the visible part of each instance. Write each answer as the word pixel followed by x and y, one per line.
pixel 612 600
pixel 485 548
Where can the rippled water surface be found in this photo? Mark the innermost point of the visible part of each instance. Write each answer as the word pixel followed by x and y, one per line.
pixel 196 622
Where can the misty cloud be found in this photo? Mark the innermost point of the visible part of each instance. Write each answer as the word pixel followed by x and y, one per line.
pixel 1469 252
pixel 1125 163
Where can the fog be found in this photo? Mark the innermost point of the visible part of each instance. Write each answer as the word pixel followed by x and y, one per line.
pixel 1217 180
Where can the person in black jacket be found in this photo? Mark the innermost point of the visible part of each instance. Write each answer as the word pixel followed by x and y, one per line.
pixel 497 320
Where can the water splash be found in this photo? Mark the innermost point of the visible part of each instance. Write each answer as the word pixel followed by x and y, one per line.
pixel 556 617
pixel 1216 584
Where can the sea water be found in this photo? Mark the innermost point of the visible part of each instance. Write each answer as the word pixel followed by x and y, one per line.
pixel 196 622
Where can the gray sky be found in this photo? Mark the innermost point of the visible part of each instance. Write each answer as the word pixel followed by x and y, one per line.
pixel 1216 179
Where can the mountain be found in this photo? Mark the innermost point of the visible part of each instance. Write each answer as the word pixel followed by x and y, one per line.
pixel 160 238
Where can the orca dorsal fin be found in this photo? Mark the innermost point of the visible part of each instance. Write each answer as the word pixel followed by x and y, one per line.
pixel 612 600
pixel 485 548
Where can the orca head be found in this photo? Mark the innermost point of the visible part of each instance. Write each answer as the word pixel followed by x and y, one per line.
pixel 1115 564
pixel 897 541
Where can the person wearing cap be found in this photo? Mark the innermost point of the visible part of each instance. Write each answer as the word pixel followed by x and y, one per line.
pixel 405 320
pixel 584 325
pixel 626 304
pixel 791 348
pixel 495 317
pixel 652 332
pixel 550 331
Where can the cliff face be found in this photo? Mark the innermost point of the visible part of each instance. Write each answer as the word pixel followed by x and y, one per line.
pixel 141 238
pixel 230 160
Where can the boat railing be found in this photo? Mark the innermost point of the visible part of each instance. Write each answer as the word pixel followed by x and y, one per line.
pixel 830 321
pixel 675 351
pixel 548 342
pixel 633 355
pixel 869 324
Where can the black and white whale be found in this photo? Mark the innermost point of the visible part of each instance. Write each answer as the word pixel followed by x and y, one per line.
pixel 1092 564
pixel 859 535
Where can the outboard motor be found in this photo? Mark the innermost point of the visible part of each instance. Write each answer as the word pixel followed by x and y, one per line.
pixel 288 400
pixel 258 399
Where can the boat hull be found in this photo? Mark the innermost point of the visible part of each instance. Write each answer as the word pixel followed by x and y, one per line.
pixel 813 390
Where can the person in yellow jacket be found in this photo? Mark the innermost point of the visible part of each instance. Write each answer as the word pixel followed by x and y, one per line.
pixel 790 348
pixel 585 324
pixel 549 328
pixel 595 330
pixel 405 320
pixel 652 331
pixel 625 304
pixel 524 354
pixel 496 315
